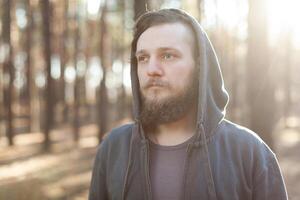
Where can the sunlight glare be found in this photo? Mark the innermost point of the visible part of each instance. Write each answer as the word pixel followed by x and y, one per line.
pixel 93 7
pixel 55 66
pixel 21 17
pixel 94 72
pixel 283 17
pixel 70 73
pixel 231 14
pixel 127 77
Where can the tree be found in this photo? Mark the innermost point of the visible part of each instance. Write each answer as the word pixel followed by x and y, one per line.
pixel 122 99
pixel 63 58
pixel 260 89
pixel 200 4
pixel 287 74
pixel 76 120
pixel 8 69
pixel 45 7
pixel 140 7
pixel 102 99
pixel 28 58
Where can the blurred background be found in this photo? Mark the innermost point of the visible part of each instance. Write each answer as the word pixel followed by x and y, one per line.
pixel 65 83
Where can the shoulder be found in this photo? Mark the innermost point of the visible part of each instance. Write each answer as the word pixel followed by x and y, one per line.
pixel 119 133
pixel 252 157
pixel 246 149
pixel 232 129
pixel 118 136
pixel 240 134
pixel 244 142
pixel 116 140
pixel 111 152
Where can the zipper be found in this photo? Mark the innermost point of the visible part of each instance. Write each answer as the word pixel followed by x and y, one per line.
pixel 131 144
pixel 188 152
pixel 126 175
pixel 147 173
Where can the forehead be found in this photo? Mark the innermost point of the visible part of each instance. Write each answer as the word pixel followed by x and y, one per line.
pixel 172 35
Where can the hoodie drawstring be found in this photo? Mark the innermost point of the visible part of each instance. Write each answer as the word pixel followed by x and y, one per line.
pixel 209 177
pixel 134 132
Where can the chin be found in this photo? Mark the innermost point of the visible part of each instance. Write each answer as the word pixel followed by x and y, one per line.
pixel 156 95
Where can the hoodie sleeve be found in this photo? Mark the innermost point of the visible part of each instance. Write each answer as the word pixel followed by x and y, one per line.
pixel 98 189
pixel 268 183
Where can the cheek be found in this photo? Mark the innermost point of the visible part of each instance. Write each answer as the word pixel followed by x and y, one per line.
pixel 181 76
pixel 138 71
pixel 140 76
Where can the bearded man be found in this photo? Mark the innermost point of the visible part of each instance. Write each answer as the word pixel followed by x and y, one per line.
pixel 180 145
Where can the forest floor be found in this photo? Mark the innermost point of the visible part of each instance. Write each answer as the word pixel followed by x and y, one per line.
pixel 29 173
pixel 287 146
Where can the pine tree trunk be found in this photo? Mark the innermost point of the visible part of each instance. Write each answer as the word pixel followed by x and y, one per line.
pixel 102 99
pixel 8 69
pixel 260 88
pixel 63 57
pixel 122 99
pixel 287 76
pixel 140 7
pixel 28 61
pixel 200 4
pixel 47 53
pixel 76 84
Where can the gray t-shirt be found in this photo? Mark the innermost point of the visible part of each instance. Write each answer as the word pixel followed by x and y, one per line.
pixel 166 170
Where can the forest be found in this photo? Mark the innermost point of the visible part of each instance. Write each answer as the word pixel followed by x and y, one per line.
pixel 65 83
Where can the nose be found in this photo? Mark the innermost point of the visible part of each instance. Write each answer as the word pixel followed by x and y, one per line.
pixel 154 67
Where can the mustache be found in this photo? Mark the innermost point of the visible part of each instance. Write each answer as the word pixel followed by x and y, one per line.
pixel 155 82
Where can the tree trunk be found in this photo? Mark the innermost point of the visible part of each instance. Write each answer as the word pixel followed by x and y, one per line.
pixel 122 99
pixel 200 4
pixel 287 76
pixel 260 90
pixel 140 7
pixel 47 53
pixel 28 61
pixel 8 69
pixel 102 99
pixel 233 72
pixel 76 84
pixel 63 57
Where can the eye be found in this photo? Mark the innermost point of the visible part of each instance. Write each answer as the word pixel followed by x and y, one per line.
pixel 168 56
pixel 142 58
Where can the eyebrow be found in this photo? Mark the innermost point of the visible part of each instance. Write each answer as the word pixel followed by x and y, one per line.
pixel 159 49
pixel 140 52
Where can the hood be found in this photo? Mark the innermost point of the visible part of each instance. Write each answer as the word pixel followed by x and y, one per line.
pixel 212 98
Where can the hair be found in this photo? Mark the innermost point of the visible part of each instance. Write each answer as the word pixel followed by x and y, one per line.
pixel 163 16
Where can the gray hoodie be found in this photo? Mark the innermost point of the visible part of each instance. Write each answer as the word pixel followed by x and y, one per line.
pixel 225 161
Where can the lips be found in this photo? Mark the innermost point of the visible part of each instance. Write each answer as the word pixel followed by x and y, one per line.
pixel 155 83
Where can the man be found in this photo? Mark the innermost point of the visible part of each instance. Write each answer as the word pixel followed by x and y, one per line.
pixel 180 146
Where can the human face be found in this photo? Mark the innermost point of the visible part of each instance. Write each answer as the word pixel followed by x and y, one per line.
pixel 165 61
pixel 166 72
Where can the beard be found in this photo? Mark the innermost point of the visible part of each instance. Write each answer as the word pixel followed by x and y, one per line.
pixel 157 111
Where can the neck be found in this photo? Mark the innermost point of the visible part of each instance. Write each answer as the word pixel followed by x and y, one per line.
pixel 176 132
